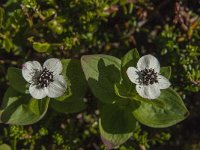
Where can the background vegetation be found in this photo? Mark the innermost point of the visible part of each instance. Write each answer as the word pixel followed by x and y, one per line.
pixel 37 30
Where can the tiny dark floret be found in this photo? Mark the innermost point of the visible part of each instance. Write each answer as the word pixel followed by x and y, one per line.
pixel 149 76
pixel 45 78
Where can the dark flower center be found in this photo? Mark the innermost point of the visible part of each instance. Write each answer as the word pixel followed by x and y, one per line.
pixel 45 78
pixel 149 76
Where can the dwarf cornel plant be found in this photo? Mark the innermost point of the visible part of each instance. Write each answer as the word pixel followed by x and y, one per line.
pixel 126 71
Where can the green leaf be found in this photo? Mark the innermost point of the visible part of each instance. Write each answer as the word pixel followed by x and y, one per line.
pixel 153 115
pixel 122 91
pixel 113 140
pixel 5 147
pixel 22 109
pixel 49 12
pixel 69 105
pixel 117 118
pixel 72 101
pixel 16 80
pixel 76 82
pixel 7 44
pixel 41 47
pixel 130 59
pixel 55 26
pixel 166 71
pixel 102 72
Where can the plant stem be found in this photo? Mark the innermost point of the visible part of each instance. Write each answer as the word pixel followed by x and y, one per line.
pixel 14 144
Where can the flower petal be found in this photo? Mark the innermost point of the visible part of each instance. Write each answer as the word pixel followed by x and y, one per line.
pixel 163 82
pixel 29 68
pixel 148 91
pixel 37 93
pixel 57 87
pixel 54 65
pixel 133 75
pixel 148 61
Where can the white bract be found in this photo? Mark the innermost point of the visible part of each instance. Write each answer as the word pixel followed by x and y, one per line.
pixel 147 77
pixel 44 80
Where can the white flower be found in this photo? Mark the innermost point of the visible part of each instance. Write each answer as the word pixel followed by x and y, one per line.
pixel 44 81
pixel 147 77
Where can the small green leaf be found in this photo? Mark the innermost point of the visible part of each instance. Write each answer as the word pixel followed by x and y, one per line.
pixel 55 26
pixel 69 105
pixel 117 119
pixel 16 80
pixel 130 59
pixel 166 71
pixel 121 91
pixel 7 44
pixel 41 47
pixel 113 140
pixel 102 72
pixel 22 109
pixel 49 12
pixel 172 112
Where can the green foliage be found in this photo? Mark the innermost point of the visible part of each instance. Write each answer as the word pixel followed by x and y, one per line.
pixel 145 139
pixel 185 57
pixel 50 19
pixel 113 140
pixel 120 119
pixel 102 72
pixel 152 115
pixel 76 81
pixel 22 109
pixel 5 147
pixel 26 136
pixel 16 80
pixel 58 139
pixel 41 47
pixel 37 30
